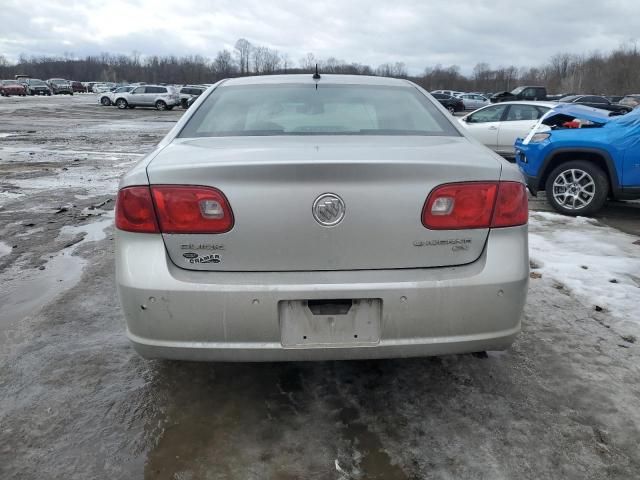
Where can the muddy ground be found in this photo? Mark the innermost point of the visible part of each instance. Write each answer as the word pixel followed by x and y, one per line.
pixel 77 403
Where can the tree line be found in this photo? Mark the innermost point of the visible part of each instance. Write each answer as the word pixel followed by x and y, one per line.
pixel 616 72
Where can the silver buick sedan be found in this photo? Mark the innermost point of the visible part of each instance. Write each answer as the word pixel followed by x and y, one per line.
pixel 302 217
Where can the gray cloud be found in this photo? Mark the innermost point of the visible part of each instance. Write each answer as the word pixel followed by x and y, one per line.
pixel 419 33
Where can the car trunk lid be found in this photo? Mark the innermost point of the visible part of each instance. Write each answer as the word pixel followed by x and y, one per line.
pixel 271 184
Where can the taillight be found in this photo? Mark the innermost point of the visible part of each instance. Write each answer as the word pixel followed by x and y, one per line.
pixel 468 205
pixel 191 209
pixel 512 205
pixel 134 210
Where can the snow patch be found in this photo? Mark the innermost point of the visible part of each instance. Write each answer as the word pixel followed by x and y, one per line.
pixel 598 264
pixel 6 197
pixel 5 249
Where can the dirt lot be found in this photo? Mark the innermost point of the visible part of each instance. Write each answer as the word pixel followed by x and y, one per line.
pixel 77 403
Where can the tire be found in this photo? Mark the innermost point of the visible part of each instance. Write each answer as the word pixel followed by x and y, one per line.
pixel 121 103
pixel 452 110
pixel 160 105
pixel 587 190
pixel 71 93
pixel 132 107
pixel 105 101
pixel 184 103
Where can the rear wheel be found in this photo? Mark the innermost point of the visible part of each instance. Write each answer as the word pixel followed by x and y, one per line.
pixel 577 188
pixel 184 103
pixel 451 110
pixel 121 103
pixel 160 105
pixel 105 101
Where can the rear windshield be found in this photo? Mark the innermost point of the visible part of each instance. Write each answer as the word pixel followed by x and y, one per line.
pixel 326 110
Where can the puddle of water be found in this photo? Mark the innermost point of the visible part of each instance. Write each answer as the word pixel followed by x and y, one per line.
pixel 23 293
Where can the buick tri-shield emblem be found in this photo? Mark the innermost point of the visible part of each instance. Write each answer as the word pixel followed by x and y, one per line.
pixel 328 209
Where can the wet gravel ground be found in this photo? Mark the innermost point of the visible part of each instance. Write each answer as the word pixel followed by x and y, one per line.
pixel 77 403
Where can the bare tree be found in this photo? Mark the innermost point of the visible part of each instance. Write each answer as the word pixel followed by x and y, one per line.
pixel 270 60
pixel 223 65
pixel 308 62
pixel 243 51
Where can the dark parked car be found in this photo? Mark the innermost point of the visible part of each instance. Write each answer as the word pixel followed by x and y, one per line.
pixel 521 93
pixel 596 101
pixel 35 86
pixel 60 86
pixel 77 87
pixel 453 104
pixel 12 87
pixel 188 92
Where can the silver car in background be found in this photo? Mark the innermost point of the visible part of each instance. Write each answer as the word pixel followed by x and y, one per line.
pixel 160 97
pixel 341 217
pixel 473 101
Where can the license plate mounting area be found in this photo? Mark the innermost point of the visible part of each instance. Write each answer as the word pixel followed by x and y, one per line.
pixel 330 323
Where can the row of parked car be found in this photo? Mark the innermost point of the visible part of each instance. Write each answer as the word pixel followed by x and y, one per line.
pixel 162 97
pixel 456 101
pixel 23 85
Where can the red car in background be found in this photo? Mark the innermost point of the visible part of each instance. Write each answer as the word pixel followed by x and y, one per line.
pixel 12 87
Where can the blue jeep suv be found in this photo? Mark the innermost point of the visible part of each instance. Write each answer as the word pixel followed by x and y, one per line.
pixel 580 156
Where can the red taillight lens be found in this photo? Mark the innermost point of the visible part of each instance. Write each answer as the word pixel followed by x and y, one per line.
pixel 457 206
pixel 134 210
pixel 191 209
pixel 512 205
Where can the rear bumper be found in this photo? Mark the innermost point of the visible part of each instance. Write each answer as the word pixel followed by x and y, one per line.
pixel 233 316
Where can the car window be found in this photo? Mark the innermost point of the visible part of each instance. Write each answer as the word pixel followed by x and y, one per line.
pixel 299 109
pixel 594 99
pixel 440 96
pixel 522 112
pixel 156 90
pixel 542 110
pixel 489 114
pixel 138 90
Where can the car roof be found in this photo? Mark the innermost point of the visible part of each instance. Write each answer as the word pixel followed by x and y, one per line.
pixel 324 78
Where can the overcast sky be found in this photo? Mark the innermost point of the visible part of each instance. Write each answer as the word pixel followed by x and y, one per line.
pixel 417 32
